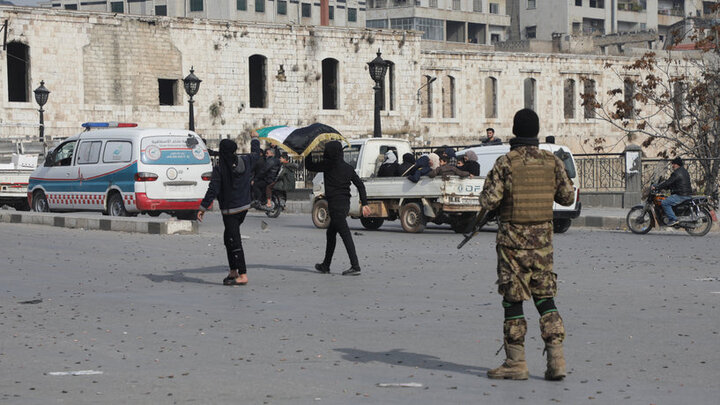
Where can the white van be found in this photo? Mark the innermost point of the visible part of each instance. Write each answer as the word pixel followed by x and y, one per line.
pixel 123 170
pixel 562 215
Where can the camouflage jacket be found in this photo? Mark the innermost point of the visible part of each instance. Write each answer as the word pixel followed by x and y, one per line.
pixel 499 181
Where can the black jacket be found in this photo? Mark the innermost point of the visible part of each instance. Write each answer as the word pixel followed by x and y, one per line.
pixel 268 171
pixel 236 197
pixel 337 174
pixel 678 183
pixel 388 170
pixel 471 167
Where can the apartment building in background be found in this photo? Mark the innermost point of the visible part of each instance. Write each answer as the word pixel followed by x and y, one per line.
pixel 338 13
pixel 482 22
pixel 540 19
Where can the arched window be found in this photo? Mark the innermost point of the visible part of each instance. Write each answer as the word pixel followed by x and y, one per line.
pixel 389 88
pixel 491 110
pixel 569 98
pixel 426 97
pixel 530 93
pixel 589 91
pixel 18 71
pixel 448 97
pixel 258 81
pixel 330 84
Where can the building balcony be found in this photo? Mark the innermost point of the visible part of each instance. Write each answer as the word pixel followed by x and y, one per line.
pixel 635 6
pixel 664 19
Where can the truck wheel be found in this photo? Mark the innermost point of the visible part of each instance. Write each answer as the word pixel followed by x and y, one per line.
pixel 39 202
pixel 412 218
pixel 561 225
pixel 116 207
pixel 371 223
pixel 320 214
pixel 463 223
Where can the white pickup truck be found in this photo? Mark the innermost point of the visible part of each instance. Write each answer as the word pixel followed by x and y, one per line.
pixel 442 201
pixel 17 162
pixel 450 200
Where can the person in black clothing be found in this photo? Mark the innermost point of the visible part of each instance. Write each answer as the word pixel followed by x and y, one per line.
pixel 469 163
pixel 230 184
pixel 680 189
pixel 265 175
pixel 337 177
pixel 408 162
pixel 390 167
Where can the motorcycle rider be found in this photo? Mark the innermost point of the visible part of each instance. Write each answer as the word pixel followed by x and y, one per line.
pixel 680 189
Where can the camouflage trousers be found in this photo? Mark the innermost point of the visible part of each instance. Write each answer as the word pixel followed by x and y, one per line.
pixel 524 274
pixel 552 329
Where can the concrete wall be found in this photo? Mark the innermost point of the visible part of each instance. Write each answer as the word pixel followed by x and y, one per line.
pixel 102 67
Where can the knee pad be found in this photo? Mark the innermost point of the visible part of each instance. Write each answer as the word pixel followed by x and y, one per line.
pixel 513 310
pixel 545 305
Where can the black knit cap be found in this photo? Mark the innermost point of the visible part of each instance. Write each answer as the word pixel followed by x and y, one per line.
pixel 526 124
pixel 677 161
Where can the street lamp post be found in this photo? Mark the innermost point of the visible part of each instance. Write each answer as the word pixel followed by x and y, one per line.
pixel 192 85
pixel 378 67
pixel 41 97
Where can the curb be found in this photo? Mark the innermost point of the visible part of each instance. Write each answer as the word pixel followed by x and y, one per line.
pixel 136 225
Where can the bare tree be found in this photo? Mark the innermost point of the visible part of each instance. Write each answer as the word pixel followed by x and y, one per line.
pixel 671 102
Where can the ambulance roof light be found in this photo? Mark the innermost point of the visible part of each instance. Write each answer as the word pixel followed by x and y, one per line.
pixel 90 125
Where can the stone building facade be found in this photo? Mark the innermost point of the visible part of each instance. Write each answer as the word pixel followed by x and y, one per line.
pixel 105 67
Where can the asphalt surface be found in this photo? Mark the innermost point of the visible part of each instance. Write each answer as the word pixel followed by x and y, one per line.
pixel 144 319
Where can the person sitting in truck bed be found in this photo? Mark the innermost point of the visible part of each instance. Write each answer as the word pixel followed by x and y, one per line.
pixel 389 168
pixel 468 163
pixel 446 169
pixel 423 166
pixel 408 162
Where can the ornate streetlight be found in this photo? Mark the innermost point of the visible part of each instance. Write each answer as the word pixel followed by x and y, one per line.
pixel 41 97
pixel 378 67
pixel 192 85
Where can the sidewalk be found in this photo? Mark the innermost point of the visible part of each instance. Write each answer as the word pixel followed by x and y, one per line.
pixel 604 218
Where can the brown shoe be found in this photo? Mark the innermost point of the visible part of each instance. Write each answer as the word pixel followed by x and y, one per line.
pixel 555 362
pixel 514 367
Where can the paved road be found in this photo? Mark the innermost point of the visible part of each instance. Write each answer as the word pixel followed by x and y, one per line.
pixel 642 314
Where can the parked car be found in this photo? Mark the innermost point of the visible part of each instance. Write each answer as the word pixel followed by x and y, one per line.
pixel 123 170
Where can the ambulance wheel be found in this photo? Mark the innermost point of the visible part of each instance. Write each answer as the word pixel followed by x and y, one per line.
pixel 412 218
pixel 116 208
pixel 186 215
pixel 320 214
pixel 39 202
pixel 154 213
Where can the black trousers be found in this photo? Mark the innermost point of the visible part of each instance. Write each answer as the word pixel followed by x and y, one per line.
pixel 258 190
pixel 338 210
pixel 233 241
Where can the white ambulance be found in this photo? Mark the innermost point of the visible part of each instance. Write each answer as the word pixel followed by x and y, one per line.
pixel 123 170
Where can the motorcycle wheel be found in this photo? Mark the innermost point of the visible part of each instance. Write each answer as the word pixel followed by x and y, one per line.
pixel 702 224
pixel 639 220
pixel 276 209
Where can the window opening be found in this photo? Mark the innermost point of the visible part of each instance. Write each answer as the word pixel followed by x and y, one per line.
pixel 258 81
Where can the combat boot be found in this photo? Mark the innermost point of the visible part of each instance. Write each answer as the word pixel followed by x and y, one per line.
pixel 514 367
pixel 555 362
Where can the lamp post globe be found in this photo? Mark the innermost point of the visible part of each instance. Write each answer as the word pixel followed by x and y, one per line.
pixel 192 85
pixel 41 97
pixel 377 68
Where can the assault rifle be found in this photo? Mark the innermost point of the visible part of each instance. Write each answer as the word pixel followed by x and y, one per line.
pixel 478 222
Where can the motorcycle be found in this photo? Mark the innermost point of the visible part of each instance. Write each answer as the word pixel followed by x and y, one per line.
pixel 695 215
pixel 279 200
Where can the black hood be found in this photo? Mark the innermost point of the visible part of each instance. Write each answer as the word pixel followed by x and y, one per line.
pixel 333 151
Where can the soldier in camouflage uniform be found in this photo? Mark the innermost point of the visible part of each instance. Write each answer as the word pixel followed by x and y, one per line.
pixel 522 187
